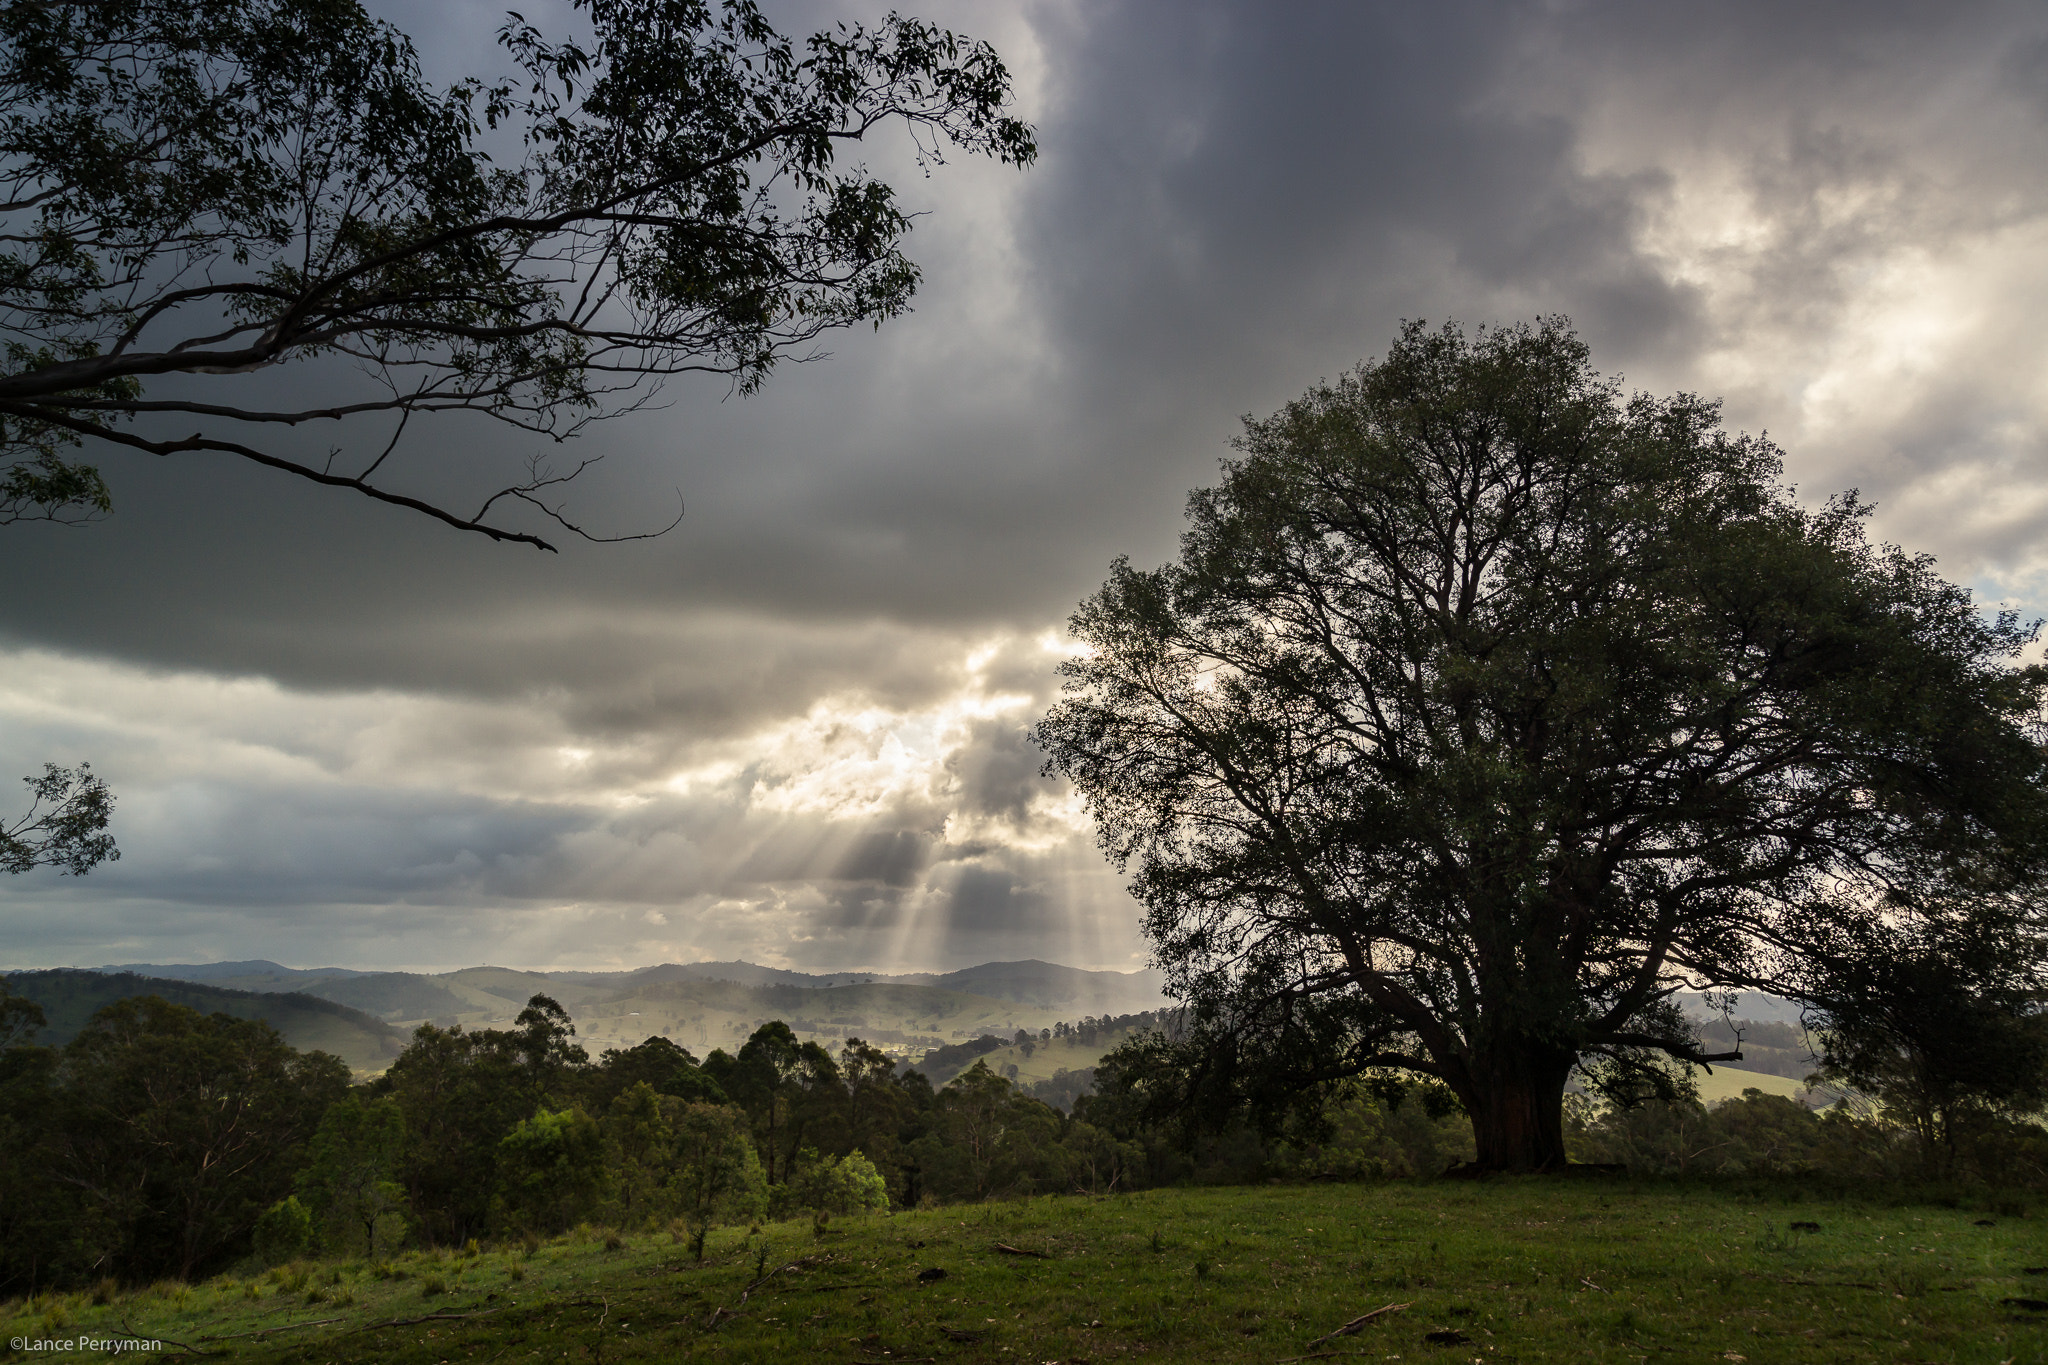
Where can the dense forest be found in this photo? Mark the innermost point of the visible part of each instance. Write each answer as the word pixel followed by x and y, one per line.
pixel 159 1142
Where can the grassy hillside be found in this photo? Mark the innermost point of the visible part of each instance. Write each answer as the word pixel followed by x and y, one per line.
pixel 70 998
pixel 1727 1083
pixel 1043 1061
pixel 392 996
pixel 1510 1270
pixel 1067 990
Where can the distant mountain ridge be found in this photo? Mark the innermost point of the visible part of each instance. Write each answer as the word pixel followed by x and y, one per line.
pixel 419 995
pixel 699 1005
pixel 71 996
pixel 222 971
pixel 1030 981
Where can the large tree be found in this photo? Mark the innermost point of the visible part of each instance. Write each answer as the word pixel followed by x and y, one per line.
pixel 1487 708
pixel 193 193
pixel 174 1130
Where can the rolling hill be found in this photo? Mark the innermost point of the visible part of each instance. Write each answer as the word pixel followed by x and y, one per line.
pixel 928 1020
pixel 70 998
pixel 701 1005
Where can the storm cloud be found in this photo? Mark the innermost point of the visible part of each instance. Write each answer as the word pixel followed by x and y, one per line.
pixel 796 728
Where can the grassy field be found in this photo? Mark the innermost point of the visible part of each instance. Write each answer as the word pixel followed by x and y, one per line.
pixel 1070 1054
pixel 1728 1083
pixel 1508 1270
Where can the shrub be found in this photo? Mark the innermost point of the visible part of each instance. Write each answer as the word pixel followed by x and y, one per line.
pixel 848 1184
pixel 284 1231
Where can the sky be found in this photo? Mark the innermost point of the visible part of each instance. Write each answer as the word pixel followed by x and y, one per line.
pixel 796 729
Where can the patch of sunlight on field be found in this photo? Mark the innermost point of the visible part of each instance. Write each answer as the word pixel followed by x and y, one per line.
pixel 1727 1083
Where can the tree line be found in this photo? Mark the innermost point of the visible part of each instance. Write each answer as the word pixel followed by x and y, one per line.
pixel 160 1142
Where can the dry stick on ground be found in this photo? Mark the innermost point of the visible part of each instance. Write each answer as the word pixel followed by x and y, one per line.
pixel 1009 1250
pixel 266 1331
pixel 1351 1328
pixel 413 1322
pixel 719 1315
pixel 192 1350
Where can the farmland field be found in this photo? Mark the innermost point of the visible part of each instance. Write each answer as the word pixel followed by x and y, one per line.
pixel 1506 1270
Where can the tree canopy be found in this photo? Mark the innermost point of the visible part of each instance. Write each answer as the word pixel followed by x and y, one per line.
pixel 1486 708
pixel 191 194
pixel 1942 1023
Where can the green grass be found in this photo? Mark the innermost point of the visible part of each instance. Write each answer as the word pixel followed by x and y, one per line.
pixel 1046 1058
pixel 1728 1083
pixel 1521 1270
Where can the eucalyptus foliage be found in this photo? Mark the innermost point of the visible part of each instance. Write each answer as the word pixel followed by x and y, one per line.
pixel 192 193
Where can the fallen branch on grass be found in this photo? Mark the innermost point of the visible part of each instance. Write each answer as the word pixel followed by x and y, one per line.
pixel 413 1322
pixel 193 1350
pixel 1352 1327
pixel 719 1315
pixel 266 1331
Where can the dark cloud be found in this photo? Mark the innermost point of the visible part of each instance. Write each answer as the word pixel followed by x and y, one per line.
pixel 800 722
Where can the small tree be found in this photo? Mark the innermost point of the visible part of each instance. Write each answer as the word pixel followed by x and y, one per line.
pixel 350 1178
pixel 882 1113
pixel 838 1185
pixel 1945 1030
pixel 543 1039
pixel 551 1169
pixel 717 1172
pixel 284 1232
pixel 195 193
pixel 1486 709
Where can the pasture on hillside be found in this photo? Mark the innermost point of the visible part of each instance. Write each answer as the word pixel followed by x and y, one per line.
pixel 1583 1269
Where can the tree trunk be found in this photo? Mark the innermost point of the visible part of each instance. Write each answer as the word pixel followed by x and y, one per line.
pixel 1516 1099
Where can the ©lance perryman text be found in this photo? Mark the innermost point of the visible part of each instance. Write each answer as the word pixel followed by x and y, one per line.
pixel 103 1345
